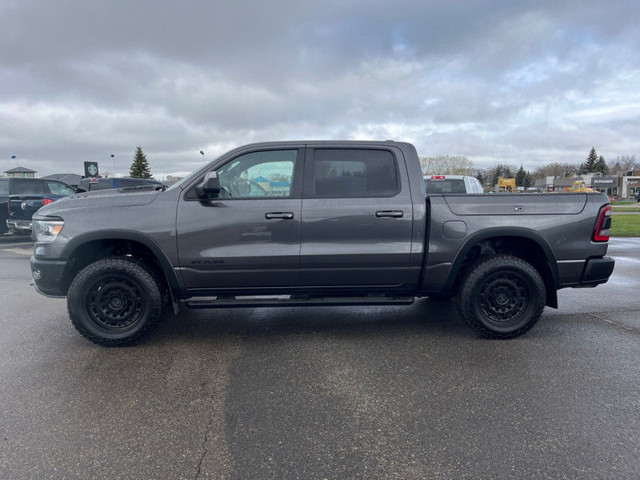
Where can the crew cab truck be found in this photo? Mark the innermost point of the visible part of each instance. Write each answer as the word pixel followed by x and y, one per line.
pixel 314 223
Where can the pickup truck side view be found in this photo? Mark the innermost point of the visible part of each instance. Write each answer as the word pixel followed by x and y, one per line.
pixel 314 223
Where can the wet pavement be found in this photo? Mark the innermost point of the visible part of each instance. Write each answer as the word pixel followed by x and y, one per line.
pixel 349 392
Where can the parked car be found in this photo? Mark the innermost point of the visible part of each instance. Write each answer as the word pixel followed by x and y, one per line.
pixel 352 227
pixel 452 184
pixel 22 197
pixel 90 184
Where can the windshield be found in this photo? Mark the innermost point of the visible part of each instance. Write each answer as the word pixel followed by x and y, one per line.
pixel 445 186
pixel 177 184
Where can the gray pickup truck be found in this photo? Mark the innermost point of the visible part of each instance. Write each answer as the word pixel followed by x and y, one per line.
pixel 314 223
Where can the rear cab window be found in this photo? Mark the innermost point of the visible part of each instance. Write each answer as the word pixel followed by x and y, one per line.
pixel 444 185
pixel 352 173
pixel 4 187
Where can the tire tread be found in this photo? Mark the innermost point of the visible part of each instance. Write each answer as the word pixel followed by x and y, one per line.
pixel 464 300
pixel 131 267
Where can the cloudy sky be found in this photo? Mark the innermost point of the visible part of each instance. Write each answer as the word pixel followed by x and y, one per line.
pixel 508 81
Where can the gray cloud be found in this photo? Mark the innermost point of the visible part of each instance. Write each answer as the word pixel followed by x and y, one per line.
pixel 499 81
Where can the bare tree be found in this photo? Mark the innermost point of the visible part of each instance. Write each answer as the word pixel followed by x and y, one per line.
pixel 556 169
pixel 447 165
pixel 622 164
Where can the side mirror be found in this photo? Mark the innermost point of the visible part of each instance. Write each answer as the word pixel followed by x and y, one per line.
pixel 210 186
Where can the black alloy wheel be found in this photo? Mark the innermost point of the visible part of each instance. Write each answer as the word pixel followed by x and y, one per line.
pixel 114 301
pixel 502 296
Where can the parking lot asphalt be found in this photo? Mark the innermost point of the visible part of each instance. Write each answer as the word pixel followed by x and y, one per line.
pixel 349 392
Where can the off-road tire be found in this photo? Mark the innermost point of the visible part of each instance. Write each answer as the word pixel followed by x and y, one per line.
pixel 502 296
pixel 114 302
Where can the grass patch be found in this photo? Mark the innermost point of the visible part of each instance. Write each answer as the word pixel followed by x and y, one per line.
pixel 615 208
pixel 625 225
pixel 624 203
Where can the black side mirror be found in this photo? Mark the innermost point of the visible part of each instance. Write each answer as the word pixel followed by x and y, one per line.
pixel 210 186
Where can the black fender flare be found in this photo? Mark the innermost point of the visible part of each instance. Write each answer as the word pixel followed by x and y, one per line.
pixel 498 232
pixel 115 234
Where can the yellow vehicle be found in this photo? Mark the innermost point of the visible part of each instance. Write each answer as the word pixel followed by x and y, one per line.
pixel 506 184
pixel 580 187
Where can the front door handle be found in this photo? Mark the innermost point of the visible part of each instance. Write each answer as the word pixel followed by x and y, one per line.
pixel 282 215
pixel 389 213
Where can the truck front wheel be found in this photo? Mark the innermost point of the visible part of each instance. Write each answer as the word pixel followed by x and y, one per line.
pixel 114 302
pixel 501 297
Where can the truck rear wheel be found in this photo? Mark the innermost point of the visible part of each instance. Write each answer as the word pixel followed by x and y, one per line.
pixel 114 302
pixel 501 297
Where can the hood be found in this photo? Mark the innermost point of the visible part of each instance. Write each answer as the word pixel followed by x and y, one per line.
pixel 100 199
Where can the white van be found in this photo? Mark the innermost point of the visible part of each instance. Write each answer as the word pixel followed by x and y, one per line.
pixel 452 184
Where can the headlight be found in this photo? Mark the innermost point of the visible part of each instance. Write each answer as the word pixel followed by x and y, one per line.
pixel 47 230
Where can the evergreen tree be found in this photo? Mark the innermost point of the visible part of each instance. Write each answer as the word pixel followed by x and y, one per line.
pixel 590 163
pixel 520 176
pixel 480 177
pixel 601 166
pixel 497 173
pixel 528 180
pixel 140 166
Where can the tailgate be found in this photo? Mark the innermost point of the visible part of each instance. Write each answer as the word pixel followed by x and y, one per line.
pixel 24 206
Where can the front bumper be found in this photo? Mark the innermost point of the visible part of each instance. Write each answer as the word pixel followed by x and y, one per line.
pixel 47 276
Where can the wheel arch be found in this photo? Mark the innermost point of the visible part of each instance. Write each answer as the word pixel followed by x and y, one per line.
pixel 86 248
pixel 520 242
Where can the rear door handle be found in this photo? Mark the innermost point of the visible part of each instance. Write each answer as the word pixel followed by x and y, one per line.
pixel 282 215
pixel 390 213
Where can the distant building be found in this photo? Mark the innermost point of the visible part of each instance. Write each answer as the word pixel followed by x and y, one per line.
pixel 21 172
pixel 555 184
pixel 630 184
pixel 607 184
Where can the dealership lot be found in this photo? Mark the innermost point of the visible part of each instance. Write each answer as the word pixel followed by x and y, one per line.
pixel 350 392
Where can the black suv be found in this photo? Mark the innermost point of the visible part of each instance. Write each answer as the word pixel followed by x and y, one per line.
pixel 28 188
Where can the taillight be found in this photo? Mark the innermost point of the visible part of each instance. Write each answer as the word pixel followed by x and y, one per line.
pixel 603 227
pixel 46 201
pixel 437 177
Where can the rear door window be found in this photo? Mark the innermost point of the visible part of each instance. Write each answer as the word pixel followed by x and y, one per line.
pixel 352 172
pixel 27 187
pixel 4 187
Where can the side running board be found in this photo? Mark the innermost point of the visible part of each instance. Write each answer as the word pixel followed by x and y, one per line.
pixel 230 301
